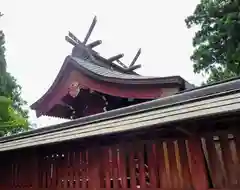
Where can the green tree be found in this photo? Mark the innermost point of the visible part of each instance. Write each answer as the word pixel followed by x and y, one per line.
pixel 10 120
pixel 13 118
pixel 217 40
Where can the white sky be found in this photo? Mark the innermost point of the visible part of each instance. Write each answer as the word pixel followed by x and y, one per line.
pixel 36 48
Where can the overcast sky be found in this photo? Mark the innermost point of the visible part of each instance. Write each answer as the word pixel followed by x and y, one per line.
pixel 36 48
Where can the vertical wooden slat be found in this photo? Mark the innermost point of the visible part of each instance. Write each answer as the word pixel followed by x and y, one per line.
pixel 94 181
pixel 71 167
pixel 18 176
pixel 39 170
pixel 68 169
pixel 237 142
pixel 227 159
pixel 85 169
pixel 141 164
pixel 77 168
pixel 132 166
pixel 35 184
pixel 56 167
pixel 123 166
pixel 198 169
pixel 60 170
pixel 235 166
pixel 44 174
pixel 101 167
pixel 49 180
pixel 16 173
pixel 17 170
pixel 23 172
pixel 81 168
pixel 65 168
pixel 161 165
pixel 214 164
pixel 186 176
pixel 151 158
pixel 51 171
pixel 107 168
pixel 174 175
pixel 114 167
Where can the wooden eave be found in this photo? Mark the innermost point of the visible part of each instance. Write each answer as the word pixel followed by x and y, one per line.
pixel 102 74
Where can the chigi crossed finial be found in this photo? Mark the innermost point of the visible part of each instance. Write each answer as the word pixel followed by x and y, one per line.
pixel 114 60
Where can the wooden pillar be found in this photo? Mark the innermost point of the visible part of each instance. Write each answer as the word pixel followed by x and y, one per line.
pixel 197 164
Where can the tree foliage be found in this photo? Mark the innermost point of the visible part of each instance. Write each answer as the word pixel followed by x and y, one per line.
pixel 10 120
pixel 217 42
pixel 13 118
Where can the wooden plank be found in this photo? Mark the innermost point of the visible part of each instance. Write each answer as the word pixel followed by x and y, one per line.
pixel 71 167
pixel 107 168
pixel 77 167
pixel 174 173
pixel 184 164
pixel 65 163
pixel 23 172
pixel 132 166
pixel 61 164
pixel 81 173
pixel 214 163
pixel 101 167
pixel 49 172
pixel 85 169
pixel 141 164
pixel 152 165
pixel 227 160
pixel 35 168
pixel 237 143
pixel 123 165
pixel 94 181
pixel 197 163
pixel 161 165
pixel 43 170
pixel 114 167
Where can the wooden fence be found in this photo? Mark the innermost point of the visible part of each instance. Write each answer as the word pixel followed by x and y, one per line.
pixel 207 163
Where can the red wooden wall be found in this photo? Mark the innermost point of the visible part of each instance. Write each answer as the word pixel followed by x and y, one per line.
pixel 210 163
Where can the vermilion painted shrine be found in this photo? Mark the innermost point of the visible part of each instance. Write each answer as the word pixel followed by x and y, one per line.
pixel 126 131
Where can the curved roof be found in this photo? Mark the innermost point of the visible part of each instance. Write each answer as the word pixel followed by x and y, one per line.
pixel 102 75
pixel 108 75
pixel 99 73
